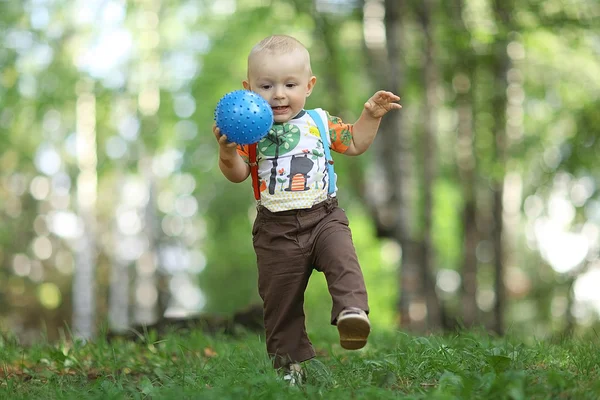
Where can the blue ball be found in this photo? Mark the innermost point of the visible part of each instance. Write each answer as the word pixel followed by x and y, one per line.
pixel 243 116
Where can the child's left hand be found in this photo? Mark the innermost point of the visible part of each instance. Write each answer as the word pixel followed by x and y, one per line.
pixel 382 102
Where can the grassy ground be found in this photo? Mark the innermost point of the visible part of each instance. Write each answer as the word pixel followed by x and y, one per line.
pixel 393 365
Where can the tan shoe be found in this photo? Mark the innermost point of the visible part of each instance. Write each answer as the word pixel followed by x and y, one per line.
pixel 354 328
pixel 293 374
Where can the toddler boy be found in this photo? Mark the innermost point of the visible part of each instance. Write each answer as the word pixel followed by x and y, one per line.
pixel 299 226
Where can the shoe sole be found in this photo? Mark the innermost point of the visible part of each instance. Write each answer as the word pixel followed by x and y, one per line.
pixel 354 331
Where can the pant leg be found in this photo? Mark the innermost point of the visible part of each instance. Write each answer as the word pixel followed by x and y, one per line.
pixel 335 256
pixel 283 273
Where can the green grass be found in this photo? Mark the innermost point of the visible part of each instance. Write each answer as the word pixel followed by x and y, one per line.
pixel 393 365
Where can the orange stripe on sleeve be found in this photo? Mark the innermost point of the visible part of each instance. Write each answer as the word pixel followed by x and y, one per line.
pixel 243 152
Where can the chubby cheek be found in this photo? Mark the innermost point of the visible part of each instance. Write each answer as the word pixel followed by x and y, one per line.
pixel 259 91
pixel 264 95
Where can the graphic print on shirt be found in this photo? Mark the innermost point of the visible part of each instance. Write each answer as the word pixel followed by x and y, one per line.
pixel 283 186
pixel 280 140
pixel 300 166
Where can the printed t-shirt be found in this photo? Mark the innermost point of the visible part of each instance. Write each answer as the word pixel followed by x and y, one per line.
pixel 292 169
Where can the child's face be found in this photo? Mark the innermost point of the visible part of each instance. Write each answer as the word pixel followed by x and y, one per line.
pixel 284 80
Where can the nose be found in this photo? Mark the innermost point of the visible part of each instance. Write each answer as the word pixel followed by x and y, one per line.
pixel 279 92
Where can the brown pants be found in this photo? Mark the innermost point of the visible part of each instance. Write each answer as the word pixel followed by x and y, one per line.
pixel 288 246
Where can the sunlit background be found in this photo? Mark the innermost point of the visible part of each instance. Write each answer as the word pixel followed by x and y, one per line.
pixel 113 211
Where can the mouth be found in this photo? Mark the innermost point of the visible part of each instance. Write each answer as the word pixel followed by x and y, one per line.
pixel 280 109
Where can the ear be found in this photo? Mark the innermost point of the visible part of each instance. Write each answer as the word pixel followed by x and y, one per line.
pixel 246 85
pixel 311 85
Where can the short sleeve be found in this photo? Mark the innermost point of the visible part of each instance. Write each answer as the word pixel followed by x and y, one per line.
pixel 243 152
pixel 339 133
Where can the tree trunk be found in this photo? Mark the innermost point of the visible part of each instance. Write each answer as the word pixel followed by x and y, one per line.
pixel 429 152
pixel 146 305
pixel 570 321
pixel 118 301
pixel 501 65
pixel 326 33
pixel 463 82
pixel 470 313
pixel 84 287
pixel 390 200
pixel 146 283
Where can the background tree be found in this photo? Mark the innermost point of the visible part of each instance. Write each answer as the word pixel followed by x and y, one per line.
pixel 502 96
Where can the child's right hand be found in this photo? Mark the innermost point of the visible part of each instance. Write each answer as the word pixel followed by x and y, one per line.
pixel 224 144
pixel 231 163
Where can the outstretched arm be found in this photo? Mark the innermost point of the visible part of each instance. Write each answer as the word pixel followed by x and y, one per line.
pixel 365 129
pixel 231 163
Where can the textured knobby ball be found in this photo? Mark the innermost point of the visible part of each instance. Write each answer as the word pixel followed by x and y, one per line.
pixel 243 116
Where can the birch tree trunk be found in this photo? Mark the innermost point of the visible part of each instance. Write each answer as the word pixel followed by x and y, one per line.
pixel 146 305
pixel 84 301
pixel 118 302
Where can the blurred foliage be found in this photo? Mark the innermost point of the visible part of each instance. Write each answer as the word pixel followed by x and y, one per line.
pixel 194 52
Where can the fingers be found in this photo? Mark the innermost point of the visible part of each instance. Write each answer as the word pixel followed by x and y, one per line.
pixel 222 139
pixel 216 132
pixel 224 142
pixel 381 103
pixel 228 144
pixel 385 96
pixel 384 100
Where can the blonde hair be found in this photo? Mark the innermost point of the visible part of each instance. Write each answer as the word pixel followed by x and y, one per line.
pixel 279 44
